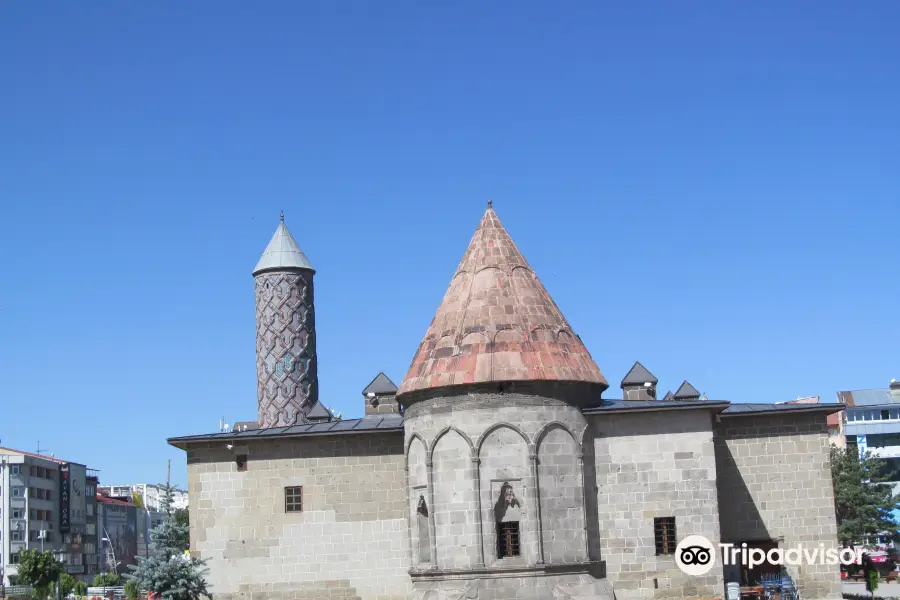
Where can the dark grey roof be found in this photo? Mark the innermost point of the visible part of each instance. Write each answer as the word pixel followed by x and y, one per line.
pixel 687 391
pixel 319 412
pixel 369 424
pixel 750 408
pixel 380 385
pixel 240 425
pixel 608 406
pixel 638 375
pixel 669 396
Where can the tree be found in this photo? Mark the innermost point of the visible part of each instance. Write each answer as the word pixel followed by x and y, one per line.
pixel 863 504
pixel 137 499
pixel 39 570
pixel 81 589
pixel 167 572
pixel 67 584
pixel 107 580
pixel 182 516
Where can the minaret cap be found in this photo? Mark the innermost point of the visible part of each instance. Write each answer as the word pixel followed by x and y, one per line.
pixel 283 252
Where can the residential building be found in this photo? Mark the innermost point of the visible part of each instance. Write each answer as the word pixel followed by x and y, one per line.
pixel 151 495
pixel 873 423
pixel 47 503
pixel 497 470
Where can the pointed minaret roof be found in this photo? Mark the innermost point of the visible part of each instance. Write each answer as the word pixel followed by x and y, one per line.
pixel 319 412
pixel 669 396
pixel 498 323
pixel 687 392
pixel 638 375
pixel 283 252
pixel 380 385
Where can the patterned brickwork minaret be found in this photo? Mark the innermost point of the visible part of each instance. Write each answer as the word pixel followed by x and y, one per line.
pixel 286 366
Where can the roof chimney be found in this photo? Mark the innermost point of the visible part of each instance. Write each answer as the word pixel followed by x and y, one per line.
pixel 639 384
pixel 381 396
pixel 895 385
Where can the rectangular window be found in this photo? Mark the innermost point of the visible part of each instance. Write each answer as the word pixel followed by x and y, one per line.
pixel 241 460
pixel 89 509
pixel 47 516
pixel 48 495
pixel 664 532
pixel 40 493
pixel 15 470
pixel 32 471
pixel 32 536
pixel 33 514
pixel 18 492
pixel 885 414
pixel 507 539
pixel 91 529
pixel 17 513
pixel 16 536
pixel 40 472
pixel 14 559
pixel 293 499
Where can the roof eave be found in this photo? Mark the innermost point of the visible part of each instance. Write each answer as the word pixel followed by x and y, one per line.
pixel 715 407
pixel 827 409
pixel 182 442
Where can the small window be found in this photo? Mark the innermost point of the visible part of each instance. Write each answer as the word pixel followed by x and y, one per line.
pixel 885 414
pixel 293 499
pixel 17 513
pixel 14 559
pixel 241 461
pixel 48 495
pixel 507 539
pixel 33 470
pixel 664 529
pixel 14 470
pixel 47 516
pixel 40 493
pixel 17 491
pixel 16 536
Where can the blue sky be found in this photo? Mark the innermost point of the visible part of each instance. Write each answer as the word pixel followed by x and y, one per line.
pixel 710 188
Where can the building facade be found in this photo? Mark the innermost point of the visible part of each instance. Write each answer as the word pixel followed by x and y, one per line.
pixel 46 503
pixel 498 470
pixel 151 495
pixel 872 423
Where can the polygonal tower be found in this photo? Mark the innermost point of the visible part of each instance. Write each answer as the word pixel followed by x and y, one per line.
pixel 495 437
pixel 286 367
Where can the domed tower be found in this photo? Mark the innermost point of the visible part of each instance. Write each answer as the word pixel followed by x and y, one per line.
pixel 494 434
pixel 286 370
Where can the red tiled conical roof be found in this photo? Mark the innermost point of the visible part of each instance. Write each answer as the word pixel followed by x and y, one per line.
pixel 498 323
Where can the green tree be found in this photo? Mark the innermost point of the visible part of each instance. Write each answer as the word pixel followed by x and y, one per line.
pixel 132 590
pixel 39 570
pixel 67 584
pixel 183 517
pixel 863 503
pixel 167 571
pixel 137 499
pixel 108 580
pixel 81 589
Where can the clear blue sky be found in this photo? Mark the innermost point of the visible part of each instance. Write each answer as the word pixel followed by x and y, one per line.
pixel 710 188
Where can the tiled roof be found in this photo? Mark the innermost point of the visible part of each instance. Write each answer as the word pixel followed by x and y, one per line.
pixel 878 397
pixel 283 252
pixel 497 323
pixel 638 375
pixel 391 424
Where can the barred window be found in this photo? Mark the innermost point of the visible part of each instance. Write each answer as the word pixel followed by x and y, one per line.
pixel 507 539
pixel 293 499
pixel 664 529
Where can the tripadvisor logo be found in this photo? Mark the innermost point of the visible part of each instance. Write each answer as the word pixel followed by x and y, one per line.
pixel 696 555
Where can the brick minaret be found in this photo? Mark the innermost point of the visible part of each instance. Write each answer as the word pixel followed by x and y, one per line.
pixel 286 367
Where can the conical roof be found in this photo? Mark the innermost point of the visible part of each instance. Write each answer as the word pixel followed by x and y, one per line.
pixel 498 323
pixel 283 252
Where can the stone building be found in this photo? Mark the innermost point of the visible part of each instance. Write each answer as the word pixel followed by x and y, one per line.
pixel 497 470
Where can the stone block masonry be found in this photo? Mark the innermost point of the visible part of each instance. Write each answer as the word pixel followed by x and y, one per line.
pixel 651 465
pixel 349 542
pixel 775 484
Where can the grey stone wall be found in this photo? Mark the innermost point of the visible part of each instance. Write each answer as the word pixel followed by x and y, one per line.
pixel 650 465
pixel 775 484
pixel 350 541
pixel 286 367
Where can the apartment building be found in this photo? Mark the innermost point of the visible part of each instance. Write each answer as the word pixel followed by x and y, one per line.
pixel 50 504
pixel 151 494
pixel 873 422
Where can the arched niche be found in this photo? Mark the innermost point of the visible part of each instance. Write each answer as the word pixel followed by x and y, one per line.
pixel 454 502
pixel 562 496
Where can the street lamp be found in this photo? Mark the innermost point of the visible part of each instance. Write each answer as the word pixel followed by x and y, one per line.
pixel 60 555
pixel 112 550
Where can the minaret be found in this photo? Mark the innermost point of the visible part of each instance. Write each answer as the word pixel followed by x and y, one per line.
pixel 286 367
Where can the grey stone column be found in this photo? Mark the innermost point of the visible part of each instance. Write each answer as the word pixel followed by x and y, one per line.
pixel 584 492
pixel 535 508
pixel 410 517
pixel 431 529
pixel 476 475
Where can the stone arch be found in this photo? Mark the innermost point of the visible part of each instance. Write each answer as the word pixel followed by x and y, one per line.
pixel 508 335
pixel 409 443
pixel 446 430
pixel 490 430
pixel 454 498
pixel 551 425
pixel 562 501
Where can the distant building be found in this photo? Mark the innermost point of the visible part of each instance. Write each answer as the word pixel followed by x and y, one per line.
pixel 50 504
pixel 151 495
pixel 873 422
pixel 835 421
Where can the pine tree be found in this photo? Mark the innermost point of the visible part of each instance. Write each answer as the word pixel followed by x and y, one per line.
pixel 862 502
pixel 167 572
